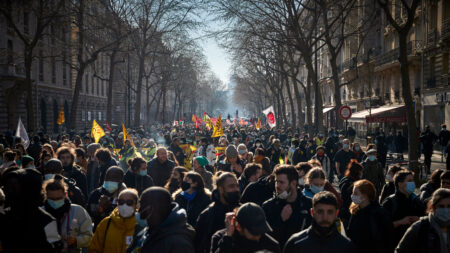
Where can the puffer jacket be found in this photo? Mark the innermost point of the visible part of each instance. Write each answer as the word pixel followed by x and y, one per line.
pixel 195 206
pixel 113 234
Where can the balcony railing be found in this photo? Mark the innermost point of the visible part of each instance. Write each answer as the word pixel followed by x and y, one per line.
pixel 12 70
pixel 392 55
pixel 432 37
pixel 445 34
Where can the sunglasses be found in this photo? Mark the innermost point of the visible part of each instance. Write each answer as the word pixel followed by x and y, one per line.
pixel 129 202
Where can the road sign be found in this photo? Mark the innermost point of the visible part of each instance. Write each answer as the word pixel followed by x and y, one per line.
pixel 345 112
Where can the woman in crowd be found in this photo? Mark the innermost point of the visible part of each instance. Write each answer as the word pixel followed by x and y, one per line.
pixel 171 156
pixel 199 165
pixel 389 187
pixel 174 182
pixel 115 232
pixel 193 196
pixel 316 182
pixel 359 153
pixel 261 158
pixel 137 176
pixel 352 174
pixel 369 226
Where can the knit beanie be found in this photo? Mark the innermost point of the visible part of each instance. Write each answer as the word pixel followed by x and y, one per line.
pixel 231 151
pixel 202 161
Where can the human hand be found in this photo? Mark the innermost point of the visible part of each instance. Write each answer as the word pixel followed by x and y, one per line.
pixel 229 223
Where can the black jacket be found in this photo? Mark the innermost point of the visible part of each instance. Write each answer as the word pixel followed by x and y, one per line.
pixel 74 172
pixel 258 192
pixel 93 175
pixel 299 220
pixel 221 243
pixel 399 206
pixel 193 207
pixel 346 187
pixel 138 182
pixel 310 241
pixel 299 155
pixel 74 193
pixel 178 152
pixel 96 214
pixel 427 138
pixel 209 221
pixel 388 190
pixel 160 172
pixel 426 190
pixel 370 229
pixel 422 237
pixel 172 236
pixel 444 137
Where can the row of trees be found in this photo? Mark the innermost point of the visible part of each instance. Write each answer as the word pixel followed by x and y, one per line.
pixel 150 37
pixel 272 42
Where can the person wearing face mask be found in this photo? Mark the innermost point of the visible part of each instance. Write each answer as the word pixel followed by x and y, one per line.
pixel 165 225
pixel 260 158
pixel 105 161
pixel 136 177
pixel 193 196
pixel 200 163
pixel 54 167
pixel 93 170
pixel 67 156
pixel 225 198
pixel 359 153
pixel 369 226
pixel 28 162
pixel 256 145
pixel 316 182
pixel 287 211
pixel 427 189
pixel 231 161
pixel 324 160
pixel 115 232
pixel 74 223
pixel 81 159
pixel 246 231
pixel 274 152
pixel 352 174
pixel 342 158
pixel 252 172
pixel 244 154
pixel 323 234
pixel 103 200
pixel 175 180
pixel 404 207
pixel 373 171
pixel 444 138
pixel 431 233
pixel 389 186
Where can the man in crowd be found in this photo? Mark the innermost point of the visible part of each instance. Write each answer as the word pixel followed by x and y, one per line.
pixel 342 158
pixel 160 168
pixel 67 157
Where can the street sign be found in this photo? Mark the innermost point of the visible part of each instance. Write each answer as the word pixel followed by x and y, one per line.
pixel 345 112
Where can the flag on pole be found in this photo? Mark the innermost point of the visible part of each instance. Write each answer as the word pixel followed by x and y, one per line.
pixel 218 131
pixel 108 127
pixel 22 133
pixel 258 124
pixel 208 121
pixel 97 131
pixel 194 118
pixel 61 118
pixel 270 114
pixel 125 134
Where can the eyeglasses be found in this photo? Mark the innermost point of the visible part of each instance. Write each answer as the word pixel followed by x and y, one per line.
pixel 129 202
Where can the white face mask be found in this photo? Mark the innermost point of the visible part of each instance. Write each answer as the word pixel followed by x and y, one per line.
pixel 356 199
pixel 301 181
pixel 389 178
pixel 283 195
pixel 126 211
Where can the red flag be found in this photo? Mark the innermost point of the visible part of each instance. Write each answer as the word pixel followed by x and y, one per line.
pixel 108 127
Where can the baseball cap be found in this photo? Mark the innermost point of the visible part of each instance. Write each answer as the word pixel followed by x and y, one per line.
pixel 252 217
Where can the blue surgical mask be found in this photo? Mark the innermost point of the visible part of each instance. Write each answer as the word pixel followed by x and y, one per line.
pixel 141 222
pixel 357 148
pixel 443 214
pixel 143 172
pixel 48 176
pixel 111 186
pixel 345 146
pixel 56 204
pixel 410 187
pixel 372 158
pixel 242 151
pixel 316 189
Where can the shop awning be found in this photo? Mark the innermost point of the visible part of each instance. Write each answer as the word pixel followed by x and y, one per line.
pixel 327 109
pixel 383 114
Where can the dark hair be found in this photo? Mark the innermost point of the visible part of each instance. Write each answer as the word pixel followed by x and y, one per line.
pixel 315 163
pixel 438 195
pixel 371 146
pixel 222 177
pixel 288 170
pixel 435 177
pixel 304 166
pixel 20 145
pixel 259 151
pixel 445 175
pixel 251 169
pixel 181 170
pixel 354 169
pixel 316 172
pixel 196 178
pixel 135 163
pixel 394 169
pixel 55 184
pixel 367 188
pixel 80 152
pixel 10 156
pixel 65 150
pixel 401 176
pixel 326 198
pixel 103 154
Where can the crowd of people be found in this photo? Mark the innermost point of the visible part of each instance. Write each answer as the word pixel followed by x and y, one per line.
pixel 176 189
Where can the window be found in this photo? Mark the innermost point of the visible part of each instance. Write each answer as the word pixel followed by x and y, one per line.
pixel 86 82
pixel 64 69
pixel 10 52
pixel 53 70
pixel 52 33
pixel 92 85
pixel 41 66
pixel 26 27
pixel 89 116
pixel 99 116
pixel 98 87
pixel 83 115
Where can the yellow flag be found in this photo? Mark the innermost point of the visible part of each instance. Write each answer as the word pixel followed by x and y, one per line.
pixel 97 131
pixel 193 118
pixel 125 134
pixel 218 131
pixel 258 124
pixel 61 118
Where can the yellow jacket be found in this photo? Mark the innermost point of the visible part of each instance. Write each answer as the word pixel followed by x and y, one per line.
pixel 118 237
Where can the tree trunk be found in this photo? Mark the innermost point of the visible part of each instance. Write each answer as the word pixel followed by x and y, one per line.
pixel 137 111
pixel 318 111
pixel 301 119
pixel 109 105
pixel 163 112
pixel 291 102
pixel 308 107
pixel 157 106
pixel 29 89
pixel 76 97
pixel 337 92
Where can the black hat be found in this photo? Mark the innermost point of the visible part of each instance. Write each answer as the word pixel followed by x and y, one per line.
pixel 252 217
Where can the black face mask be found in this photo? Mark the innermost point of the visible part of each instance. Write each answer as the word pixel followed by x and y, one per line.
pixel 232 198
pixel 185 186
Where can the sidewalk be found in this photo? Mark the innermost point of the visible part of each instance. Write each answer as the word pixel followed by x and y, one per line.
pixel 435 160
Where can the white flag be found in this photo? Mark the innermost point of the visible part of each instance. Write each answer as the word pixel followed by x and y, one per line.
pixel 22 133
pixel 270 115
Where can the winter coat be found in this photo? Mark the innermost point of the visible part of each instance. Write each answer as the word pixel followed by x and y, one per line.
pixel 258 192
pixel 76 173
pixel 370 229
pixel 427 138
pixel 224 165
pixel 194 207
pixel 299 156
pixel 93 175
pixel 209 221
pixel 93 208
pixel 373 171
pixel 309 240
pixel 424 236
pixel 300 218
pixel 399 206
pixel 113 234
pixel 172 236
pixel 178 152
pixel 76 222
pixel 160 172
pixel 444 137
pixel 138 182
pixel 102 170
pixel 388 190
pixel 346 187
pixel 74 193
pixel 326 163
pixel 426 190
pixel 221 243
